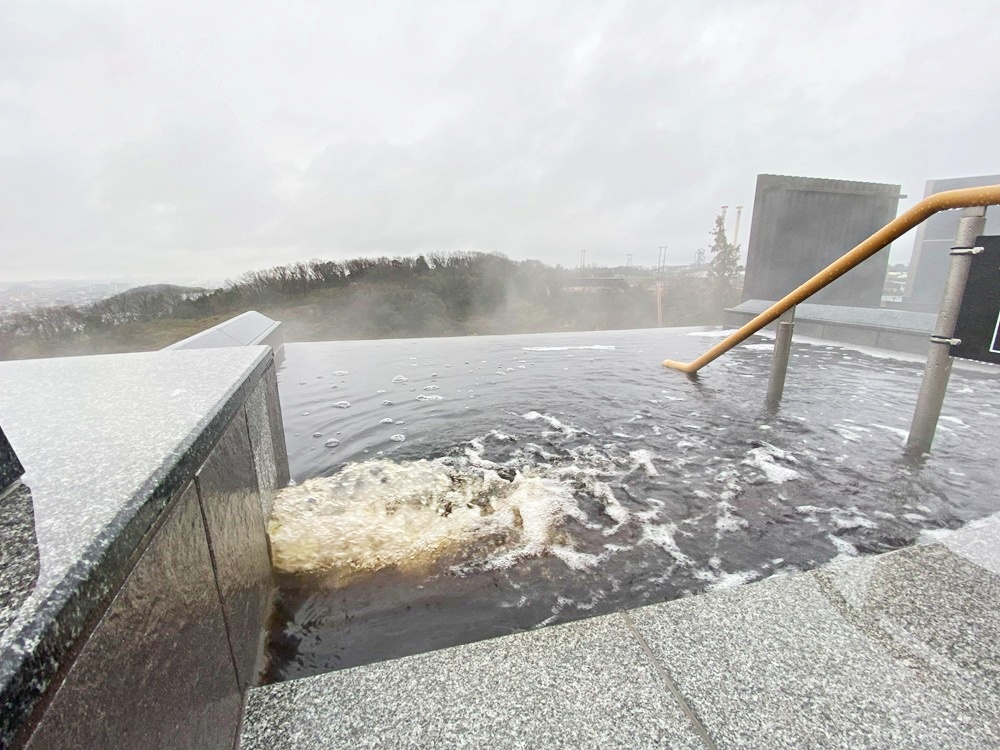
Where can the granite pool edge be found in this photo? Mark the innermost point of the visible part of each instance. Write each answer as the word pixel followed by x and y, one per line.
pixel 45 634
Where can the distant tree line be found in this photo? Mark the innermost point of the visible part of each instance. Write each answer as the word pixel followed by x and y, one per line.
pixel 427 295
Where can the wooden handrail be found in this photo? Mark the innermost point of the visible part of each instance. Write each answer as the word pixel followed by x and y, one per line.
pixel 988 195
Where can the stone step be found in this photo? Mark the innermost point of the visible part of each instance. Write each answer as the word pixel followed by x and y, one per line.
pixel 891 651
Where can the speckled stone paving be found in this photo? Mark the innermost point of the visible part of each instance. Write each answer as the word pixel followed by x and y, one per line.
pixel 583 685
pixel 105 441
pixel 895 651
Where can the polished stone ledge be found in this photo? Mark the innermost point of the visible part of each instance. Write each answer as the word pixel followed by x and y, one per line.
pixel 247 329
pixel 900 650
pixel 108 444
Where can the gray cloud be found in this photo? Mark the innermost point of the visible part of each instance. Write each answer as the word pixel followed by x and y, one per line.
pixel 182 140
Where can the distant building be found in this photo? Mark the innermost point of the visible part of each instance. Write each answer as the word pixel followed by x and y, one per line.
pixel 802 224
pixel 929 262
pixel 892 292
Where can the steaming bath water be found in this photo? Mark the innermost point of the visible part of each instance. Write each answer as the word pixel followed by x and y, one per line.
pixel 449 490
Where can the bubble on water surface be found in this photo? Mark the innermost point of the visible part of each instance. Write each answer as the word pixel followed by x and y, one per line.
pixel 399 379
pixel 340 373
pixel 332 443
pixel 429 397
pixel 387 420
pixel 342 405
pixel 317 434
pixel 387 402
pixel 398 438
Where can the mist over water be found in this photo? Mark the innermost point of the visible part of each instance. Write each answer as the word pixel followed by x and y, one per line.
pixel 553 477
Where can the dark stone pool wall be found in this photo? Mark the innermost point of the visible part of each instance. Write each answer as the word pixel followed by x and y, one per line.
pixel 153 636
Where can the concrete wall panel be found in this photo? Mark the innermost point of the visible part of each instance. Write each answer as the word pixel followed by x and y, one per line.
pixel 802 224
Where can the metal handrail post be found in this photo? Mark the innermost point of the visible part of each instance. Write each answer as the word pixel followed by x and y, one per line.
pixel 779 361
pixel 937 370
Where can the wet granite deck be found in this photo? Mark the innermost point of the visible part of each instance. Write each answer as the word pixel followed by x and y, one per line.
pixel 900 650
pixel 106 441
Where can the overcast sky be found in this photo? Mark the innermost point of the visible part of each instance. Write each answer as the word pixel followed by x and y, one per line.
pixel 194 140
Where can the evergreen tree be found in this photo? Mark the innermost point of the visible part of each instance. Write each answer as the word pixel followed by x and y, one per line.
pixel 724 269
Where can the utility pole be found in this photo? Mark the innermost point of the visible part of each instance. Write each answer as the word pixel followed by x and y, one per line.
pixel 659 304
pixel 699 257
pixel 736 231
pixel 661 262
pixel 628 262
pixel 583 261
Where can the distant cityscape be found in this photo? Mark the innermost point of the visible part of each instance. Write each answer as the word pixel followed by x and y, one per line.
pixel 28 295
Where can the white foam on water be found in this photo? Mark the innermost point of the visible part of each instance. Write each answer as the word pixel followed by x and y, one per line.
pixel 400 379
pixel 717 579
pixel 845 550
pixel 726 521
pixel 387 420
pixel 502 436
pixel 429 397
pixel 766 457
pixel 409 515
pixel 662 535
pixel 842 518
pixel 598 347
pixel 903 434
pixel 847 434
pixel 555 424
pixel 342 405
pixel 758 347
pixel 341 373
pixel 718 334
pixel 379 514
pixel 643 459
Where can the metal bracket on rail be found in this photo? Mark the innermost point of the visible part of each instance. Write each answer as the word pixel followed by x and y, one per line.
pixel 945 340
pixel 966 250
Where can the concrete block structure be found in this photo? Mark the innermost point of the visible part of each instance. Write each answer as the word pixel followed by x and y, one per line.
pixel 929 262
pixel 802 224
